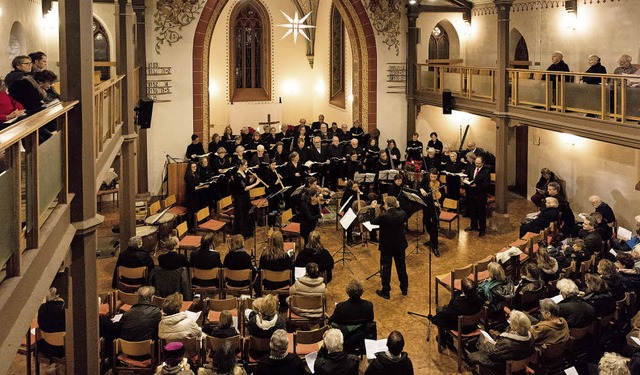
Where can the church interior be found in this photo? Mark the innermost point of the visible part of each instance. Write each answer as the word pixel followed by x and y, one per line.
pixel 539 92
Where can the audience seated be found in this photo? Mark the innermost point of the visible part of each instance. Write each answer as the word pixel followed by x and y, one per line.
pixel 31 91
pixel 625 67
pixel 613 364
pixel 274 258
pixel 590 236
pixel 546 176
pixel 530 282
pixel 171 276
pixel 279 362
pixel 628 272
pixel 174 361
pixel 264 320
pixel 133 256
pixel 609 274
pixel 496 289
pixel 21 66
pixel 51 319
pixel 176 325
pixel 141 321
pixel 595 68
pixel 575 249
pixel 597 295
pixel 316 253
pixel 393 361
pixel 332 360
pixel 552 329
pixel 9 107
pixel 205 258
pixel 465 302
pixel 627 245
pixel 311 284
pixel 226 363
pixel 238 259
pixel 39 61
pixel 558 65
pixel 573 308
pixel 354 310
pixel 567 219
pixel 546 216
pixel 224 327
pixel 514 344
pixel 547 264
pixel 604 209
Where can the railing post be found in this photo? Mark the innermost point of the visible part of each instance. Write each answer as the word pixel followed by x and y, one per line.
pixel 13 265
pixel 412 61
pixel 33 197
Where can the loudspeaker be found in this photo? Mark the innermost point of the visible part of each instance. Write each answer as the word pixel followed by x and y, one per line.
pixel 447 102
pixel 143 113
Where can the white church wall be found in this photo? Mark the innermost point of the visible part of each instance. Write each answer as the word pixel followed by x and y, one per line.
pixel 589 168
pixel 32 36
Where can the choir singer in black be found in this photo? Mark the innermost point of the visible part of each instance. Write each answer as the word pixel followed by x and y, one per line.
pixel 479 179
pixel 393 243
pixel 242 183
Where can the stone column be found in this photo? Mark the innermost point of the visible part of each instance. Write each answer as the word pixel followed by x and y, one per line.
pixel 412 59
pixel 141 61
pixel 125 64
pixel 501 220
pixel 76 81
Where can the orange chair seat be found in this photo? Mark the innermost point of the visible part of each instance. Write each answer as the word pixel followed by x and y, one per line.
pixel 103 309
pixel 482 276
pixel 491 199
pixel 529 235
pixel 447 216
pixel 292 228
pixel 124 308
pixel 213 225
pixel 301 349
pixel 125 359
pixel 190 242
pixel 178 210
pixel 518 243
pixel 470 334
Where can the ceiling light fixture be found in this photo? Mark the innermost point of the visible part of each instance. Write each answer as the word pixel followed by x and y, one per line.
pixel 413 2
pixel 296 26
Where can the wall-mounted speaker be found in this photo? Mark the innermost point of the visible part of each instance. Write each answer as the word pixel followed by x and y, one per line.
pixel 447 102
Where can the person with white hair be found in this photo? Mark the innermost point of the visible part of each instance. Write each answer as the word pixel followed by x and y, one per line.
pixel 332 360
pixel 575 310
pixel 613 364
pixel 625 67
pixel 594 68
pixel 558 65
pixel 604 210
pixel 514 344
pixel 260 160
pixel 133 256
pixel 279 362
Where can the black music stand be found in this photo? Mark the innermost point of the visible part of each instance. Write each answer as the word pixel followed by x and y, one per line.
pixel 346 221
pixel 364 178
pixel 416 199
pixel 373 227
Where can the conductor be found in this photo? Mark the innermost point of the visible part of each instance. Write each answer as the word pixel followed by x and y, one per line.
pixel 393 243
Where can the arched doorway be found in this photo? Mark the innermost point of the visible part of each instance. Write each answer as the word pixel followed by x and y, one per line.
pixel 363 44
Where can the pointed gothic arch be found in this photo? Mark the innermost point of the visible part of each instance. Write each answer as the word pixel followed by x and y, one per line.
pixel 448 38
pixel 363 45
pixel 518 50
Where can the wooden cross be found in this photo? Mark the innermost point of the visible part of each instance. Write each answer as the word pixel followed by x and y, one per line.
pixel 269 122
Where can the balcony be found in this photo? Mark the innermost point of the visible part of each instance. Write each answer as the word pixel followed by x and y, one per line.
pixel 558 101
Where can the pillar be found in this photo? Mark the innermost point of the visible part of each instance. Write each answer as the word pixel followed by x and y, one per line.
pixel 500 221
pixel 76 81
pixel 141 61
pixel 412 60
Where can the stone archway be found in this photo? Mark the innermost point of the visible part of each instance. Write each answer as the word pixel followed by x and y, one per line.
pixel 365 62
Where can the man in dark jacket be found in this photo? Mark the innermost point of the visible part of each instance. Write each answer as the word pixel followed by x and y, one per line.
pixel 332 360
pixel 575 310
pixel 393 361
pixel 141 321
pixel 355 310
pixel 467 302
pixel 479 178
pixel 133 256
pixel 393 243
pixel 590 236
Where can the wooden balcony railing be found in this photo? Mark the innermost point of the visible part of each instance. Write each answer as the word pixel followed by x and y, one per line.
pixel 107 100
pixel 616 99
pixel 33 181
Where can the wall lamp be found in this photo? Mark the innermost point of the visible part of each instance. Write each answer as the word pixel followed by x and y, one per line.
pixel 413 2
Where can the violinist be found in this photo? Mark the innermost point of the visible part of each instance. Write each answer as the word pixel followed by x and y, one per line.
pixel 352 192
pixel 431 195
pixel 242 183
pixel 309 212
pixel 396 191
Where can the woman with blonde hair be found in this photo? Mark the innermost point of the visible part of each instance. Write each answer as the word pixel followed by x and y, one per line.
pixel 274 258
pixel 496 289
pixel 264 320
pixel 547 264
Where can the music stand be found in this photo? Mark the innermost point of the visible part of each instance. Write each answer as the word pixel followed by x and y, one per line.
pixel 364 178
pixel 253 209
pixel 371 228
pixel 388 175
pixel 416 199
pixel 346 222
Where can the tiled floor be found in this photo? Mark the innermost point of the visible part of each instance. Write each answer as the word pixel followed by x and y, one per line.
pixel 390 314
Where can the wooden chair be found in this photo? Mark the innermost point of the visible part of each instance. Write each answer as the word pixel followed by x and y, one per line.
pixel 125 301
pixel 481 269
pixel 192 349
pixel 290 229
pixel 257 344
pixel 51 338
pixel 567 272
pixel 276 277
pixel 131 273
pixel 154 208
pixel 205 224
pixel 224 209
pixel 302 302
pixel 179 211
pixel 158 301
pixel 125 354
pixel 216 306
pixel 107 305
pixel 459 338
pixel 552 358
pixel 187 241
pixel 213 344
pixel 452 281
pixel 450 212
pixel 237 276
pixel 521 365
pixel 582 339
pixel 305 342
pixel 245 304
pixel 205 277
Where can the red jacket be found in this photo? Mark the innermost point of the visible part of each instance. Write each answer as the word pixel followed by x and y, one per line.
pixel 7 105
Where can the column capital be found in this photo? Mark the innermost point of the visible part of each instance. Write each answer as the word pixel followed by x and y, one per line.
pixel 503 6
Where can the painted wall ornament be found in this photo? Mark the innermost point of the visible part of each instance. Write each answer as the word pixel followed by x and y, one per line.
pixel 170 16
pixel 385 18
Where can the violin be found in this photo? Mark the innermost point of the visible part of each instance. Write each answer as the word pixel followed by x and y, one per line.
pixel 435 190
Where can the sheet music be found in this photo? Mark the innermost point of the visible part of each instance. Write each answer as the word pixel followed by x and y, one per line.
pixel 571 371
pixel 193 315
pixel 347 219
pixel 117 318
pixel 370 227
pixel 613 252
pixel 298 272
pixel 557 299
pixel 375 346
pixel 624 234
pixel 487 336
pixel 311 360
